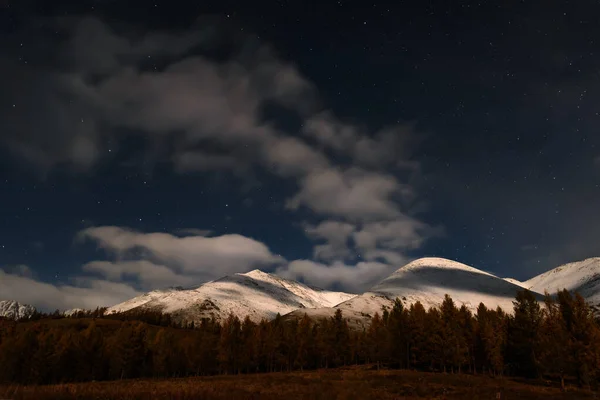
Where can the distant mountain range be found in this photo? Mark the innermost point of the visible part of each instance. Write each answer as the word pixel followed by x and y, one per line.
pixel 255 294
pixel 259 295
pixel 13 310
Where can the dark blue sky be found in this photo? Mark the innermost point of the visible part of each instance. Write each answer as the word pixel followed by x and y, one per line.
pixel 376 133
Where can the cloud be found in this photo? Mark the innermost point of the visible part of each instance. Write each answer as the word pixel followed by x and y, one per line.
pixel 389 146
pixel 21 270
pixel 146 274
pixel 354 194
pixel 203 256
pixel 355 278
pixel 404 233
pixel 336 235
pixel 89 294
pixel 86 90
pixel 198 113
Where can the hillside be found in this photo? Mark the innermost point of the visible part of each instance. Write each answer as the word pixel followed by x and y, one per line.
pixel 13 310
pixel 426 280
pixel 255 294
pixel 582 276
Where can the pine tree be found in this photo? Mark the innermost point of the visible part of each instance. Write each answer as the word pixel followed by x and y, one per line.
pixel 376 341
pixel 524 335
pixel 584 336
pixel 397 327
pixel 229 345
pixel 339 339
pixel 305 338
pixel 556 344
pixel 417 321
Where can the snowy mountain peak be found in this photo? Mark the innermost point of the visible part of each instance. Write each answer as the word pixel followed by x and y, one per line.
pixel 582 277
pixel 259 275
pixel 255 294
pixel 427 280
pixel 256 273
pixel 13 310
pixel 516 282
pixel 436 262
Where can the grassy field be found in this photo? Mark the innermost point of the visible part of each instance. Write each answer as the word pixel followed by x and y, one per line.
pixel 349 383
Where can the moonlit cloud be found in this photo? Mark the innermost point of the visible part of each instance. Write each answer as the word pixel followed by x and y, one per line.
pixel 205 256
pixel 88 293
pixel 354 278
pixel 200 114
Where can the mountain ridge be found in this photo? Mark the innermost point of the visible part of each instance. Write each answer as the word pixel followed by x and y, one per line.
pixel 15 310
pixel 260 295
pixel 255 294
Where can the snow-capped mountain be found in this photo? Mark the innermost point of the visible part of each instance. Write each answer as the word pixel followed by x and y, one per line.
pixel 72 311
pixel 255 294
pixel 13 310
pixel 516 282
pixel 582 276
pixel 427 280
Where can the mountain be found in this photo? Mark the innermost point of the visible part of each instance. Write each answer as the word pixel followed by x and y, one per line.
pixel 516 282
pixel 13 310
pixel 255 294
pixel 72 311
pixel 582 276
pixel 427 280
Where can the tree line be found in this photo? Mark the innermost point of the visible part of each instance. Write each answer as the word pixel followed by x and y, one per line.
pixel 559 339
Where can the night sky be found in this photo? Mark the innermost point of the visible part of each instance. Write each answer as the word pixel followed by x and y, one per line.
pixel 147 144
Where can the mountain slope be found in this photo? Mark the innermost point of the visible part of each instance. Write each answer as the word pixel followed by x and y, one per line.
pixel 13 310
pixel 427 280
pixel 255 294
pixel 516 282
pixel 582 276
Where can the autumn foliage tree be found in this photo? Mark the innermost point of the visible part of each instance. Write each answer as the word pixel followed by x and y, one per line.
pixel 559 339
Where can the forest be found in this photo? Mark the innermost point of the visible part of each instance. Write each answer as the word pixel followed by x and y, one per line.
pixel 558 339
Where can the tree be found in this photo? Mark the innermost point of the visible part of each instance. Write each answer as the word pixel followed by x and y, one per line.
pixel 556 343
pixel 305 341
pixel 229 345
pixel 524 335
pixel 584 336
pixel 376 336
pixel 397 326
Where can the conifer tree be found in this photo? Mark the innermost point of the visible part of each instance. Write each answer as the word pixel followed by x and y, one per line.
pixel 229 345
pixel 398 335
pixel 556 343
pixel 584 336
pixel 524 335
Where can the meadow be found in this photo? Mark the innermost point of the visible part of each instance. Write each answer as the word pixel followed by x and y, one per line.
pixel 362 382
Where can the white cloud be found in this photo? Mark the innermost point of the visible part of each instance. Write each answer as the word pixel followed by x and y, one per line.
pixel 390 146
pixel 355 278
pixel 353 194
pixel 208 256
pixel 336 235
pixel 89 294
pixel 404 233
pixel 203 115
pixel 146 274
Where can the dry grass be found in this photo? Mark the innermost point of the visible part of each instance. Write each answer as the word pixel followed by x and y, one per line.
pixel 349 383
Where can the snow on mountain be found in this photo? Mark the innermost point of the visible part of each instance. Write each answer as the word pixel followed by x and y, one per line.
pixel 358 310
pixel 582 276
pixel 73 311
pixel 516 282
pixel 428 279
pixel 255 294
pixel 13 310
